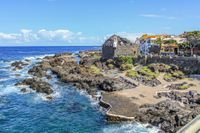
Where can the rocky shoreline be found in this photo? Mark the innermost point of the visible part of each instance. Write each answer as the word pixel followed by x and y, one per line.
pixel 95 75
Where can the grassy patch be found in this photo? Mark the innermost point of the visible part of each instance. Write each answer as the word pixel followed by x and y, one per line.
pixel 178 74
pixel 132 74
pixel 127 59
pixel 125 67
pixel 183 87
pixel 111 66
pixel 190 79
pixel 175 75
pixel 96 56
pixel 160 67
pixel 168 76
pixel 94 70
pixel 148 73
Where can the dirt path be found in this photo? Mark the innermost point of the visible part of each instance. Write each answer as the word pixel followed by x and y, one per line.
pixel 145 94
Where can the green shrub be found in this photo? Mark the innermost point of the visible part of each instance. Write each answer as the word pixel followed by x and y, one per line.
pixel 127 59
pixel 96 56
pixel 125 67
pixel 147 72
pixel 110 66
pixel 190 79
pixel 159 67
pixel 132 74
pixel 94 70
pixel 183 87
pixel 167 66
pixel 178 74
pixel 168 76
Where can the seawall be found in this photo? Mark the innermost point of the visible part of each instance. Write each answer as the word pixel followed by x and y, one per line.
pixel 190 65
pixel 113 117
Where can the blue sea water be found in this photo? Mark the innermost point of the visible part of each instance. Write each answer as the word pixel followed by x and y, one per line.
pixel 70 111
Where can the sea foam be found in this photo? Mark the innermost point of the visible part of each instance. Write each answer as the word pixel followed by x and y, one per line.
pixel 130 128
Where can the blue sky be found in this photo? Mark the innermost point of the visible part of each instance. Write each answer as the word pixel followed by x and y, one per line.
pixel 90 22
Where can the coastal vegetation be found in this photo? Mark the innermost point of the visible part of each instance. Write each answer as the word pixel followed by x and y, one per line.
pixel 94 70
pixel 111 66
pixel 127 62
pixel 145 71
pixel 126 59
pixel 174 75
pixel 125 66
pixel 193 38
pixel 132 74
pixel 184 87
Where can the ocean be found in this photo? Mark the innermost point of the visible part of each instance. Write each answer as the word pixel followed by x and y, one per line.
pixel 70 111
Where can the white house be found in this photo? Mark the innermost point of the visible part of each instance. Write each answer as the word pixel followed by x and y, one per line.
pixel 145 45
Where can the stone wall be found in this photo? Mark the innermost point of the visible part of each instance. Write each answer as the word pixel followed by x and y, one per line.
pixel 126 50
pixel 107 52
pixel 190 65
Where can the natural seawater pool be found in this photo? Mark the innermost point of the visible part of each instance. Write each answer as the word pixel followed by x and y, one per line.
pixel 70 111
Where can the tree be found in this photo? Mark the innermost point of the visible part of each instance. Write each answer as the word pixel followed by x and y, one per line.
pixel 171 41
pixel 184 46
pixel 159 41
pixel 193 39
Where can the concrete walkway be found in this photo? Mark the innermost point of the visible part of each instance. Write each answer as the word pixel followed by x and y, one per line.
pixel 191 127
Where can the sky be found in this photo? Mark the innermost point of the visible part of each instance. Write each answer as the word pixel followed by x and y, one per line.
pixel 90 22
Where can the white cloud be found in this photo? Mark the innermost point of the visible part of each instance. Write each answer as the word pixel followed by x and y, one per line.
pixel 151 15
pixel 130 36
pixel 57 35
pixel 157 16
pixel 5 36
pixel 42 36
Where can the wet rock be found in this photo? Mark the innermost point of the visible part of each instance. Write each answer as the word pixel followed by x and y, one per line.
pixel 37 85
pixel 17 75
pixel 23 90
pixel 49 97
pixel 18 65
pixel 38 71
pixel 27 60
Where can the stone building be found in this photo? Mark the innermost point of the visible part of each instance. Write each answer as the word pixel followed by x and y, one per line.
pixel 116 46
